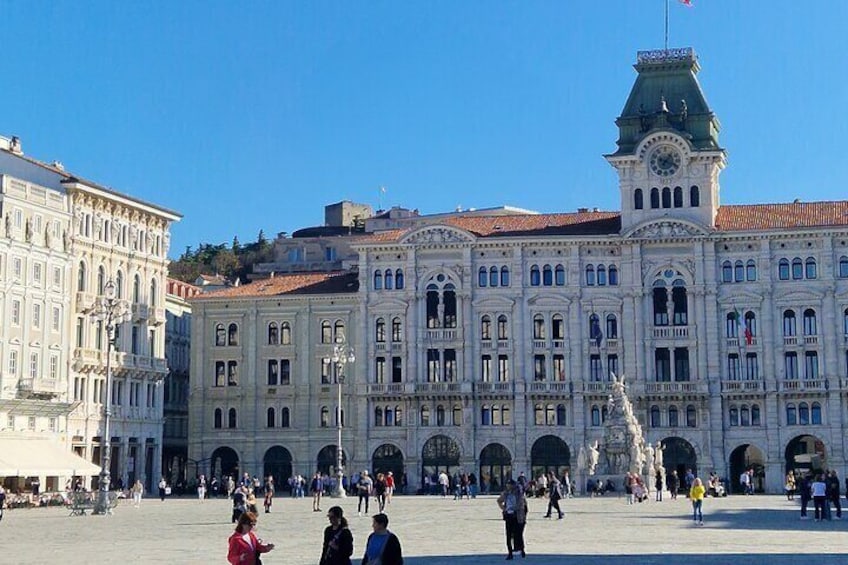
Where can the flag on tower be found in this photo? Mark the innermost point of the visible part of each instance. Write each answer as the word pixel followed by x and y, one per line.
pixel 743 327
pixel 687 3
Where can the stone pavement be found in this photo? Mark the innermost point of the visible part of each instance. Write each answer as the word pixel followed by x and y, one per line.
pixel 435 531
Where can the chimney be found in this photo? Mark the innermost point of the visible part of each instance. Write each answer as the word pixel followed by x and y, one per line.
pixel 582 210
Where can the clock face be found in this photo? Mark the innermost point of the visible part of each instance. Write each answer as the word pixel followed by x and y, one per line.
pixel 665 161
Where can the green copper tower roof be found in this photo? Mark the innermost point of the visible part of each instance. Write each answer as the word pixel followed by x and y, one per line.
pixel 667 96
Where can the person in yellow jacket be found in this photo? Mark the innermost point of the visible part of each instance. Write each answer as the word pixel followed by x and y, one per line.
pixel 696 495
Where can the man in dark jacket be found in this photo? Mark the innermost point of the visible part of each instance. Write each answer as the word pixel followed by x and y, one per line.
pixel 382 546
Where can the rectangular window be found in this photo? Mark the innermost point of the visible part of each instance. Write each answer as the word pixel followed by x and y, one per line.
pixel 57 319
pixel 503 368
pixel 752 368
pixel 596 369
pixel 380 370
pixel 37 273
pixel 733 367
pixel 80 332
pixel 57 277
pixel 16 312
pixel 134 341
pixel 539 368
pixel 559 367
pixel 17 268
pixel 13 363
pixel 486 368
pixel 790 365
pixel 662 365
pixel 451 373
pixel 397 370
pixel 273 372
pixel 681 364
pixel 220 373
pixel 285 372
pixel 54 367
pixel 326 371
pixel 433 365
pixel 811 365
pixel 612 365
pixel 36 315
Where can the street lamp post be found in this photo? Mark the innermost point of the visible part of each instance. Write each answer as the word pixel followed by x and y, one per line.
pixel 342 355
pixel 111 311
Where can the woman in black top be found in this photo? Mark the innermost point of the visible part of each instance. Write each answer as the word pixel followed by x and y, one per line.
pixel 338 541
pixel 380 490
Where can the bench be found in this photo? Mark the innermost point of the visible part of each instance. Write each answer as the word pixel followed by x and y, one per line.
pixel 81 502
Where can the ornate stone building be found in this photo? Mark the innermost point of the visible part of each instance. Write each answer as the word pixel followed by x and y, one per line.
pixel 65 238
pixel 486 343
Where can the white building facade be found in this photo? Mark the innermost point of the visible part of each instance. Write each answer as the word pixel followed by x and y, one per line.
pixel 487 343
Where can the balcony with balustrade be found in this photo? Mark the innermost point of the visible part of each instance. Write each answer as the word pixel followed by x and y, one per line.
pixel 38 388
pixel 742 387
pixel 671 332
pixel 802 385
pixel 547 388
pixel 675 389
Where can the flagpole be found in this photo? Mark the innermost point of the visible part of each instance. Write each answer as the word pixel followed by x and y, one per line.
pixel 666 26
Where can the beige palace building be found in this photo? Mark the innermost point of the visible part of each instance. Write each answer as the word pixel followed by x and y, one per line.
pixel 486 343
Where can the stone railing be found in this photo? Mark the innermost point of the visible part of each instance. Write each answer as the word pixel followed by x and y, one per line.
pixel 741 386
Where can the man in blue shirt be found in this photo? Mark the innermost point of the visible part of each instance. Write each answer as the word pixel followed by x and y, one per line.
pixel 383 546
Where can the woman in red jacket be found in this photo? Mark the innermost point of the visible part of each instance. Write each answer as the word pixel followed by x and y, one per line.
pixel 245 547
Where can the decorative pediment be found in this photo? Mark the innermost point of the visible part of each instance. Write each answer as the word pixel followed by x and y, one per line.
pixel 549 301
pixel 382 303
pixel 495 303
pixel 437 235
pixel 666 229
pixel 798 297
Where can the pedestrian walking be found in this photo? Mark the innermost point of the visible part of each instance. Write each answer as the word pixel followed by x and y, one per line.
pixel 696 495
pixel 789 486
pixel 201 488
pixel 363 490
pixel 244 547
pixel 316 488
pixel 658 485
pixel 163 484
pixel 819 490
pixel 269 493
pixel 390 487
pixel 805 491
pixel 513 505
pixel 137 493
pixel 380 488
pixel 673 484
pixel 555 495
pixel 239 503
pixel 338 541
pixel 383 547
pixel 833 493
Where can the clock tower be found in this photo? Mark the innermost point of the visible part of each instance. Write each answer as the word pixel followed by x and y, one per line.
pixel 668 158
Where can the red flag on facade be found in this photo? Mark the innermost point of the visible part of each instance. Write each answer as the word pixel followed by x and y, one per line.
pixel 686 3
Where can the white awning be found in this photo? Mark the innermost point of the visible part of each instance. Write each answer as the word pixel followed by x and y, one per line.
pixel 21 457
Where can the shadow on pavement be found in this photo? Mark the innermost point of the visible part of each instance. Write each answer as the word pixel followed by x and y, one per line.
pixel 775 520
pixel 640 559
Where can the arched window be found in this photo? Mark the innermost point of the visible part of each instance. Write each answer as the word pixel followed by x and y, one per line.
pixel 843 267
pixel 655 416
pixel 789 327
pixel 797 269
pixel 816 414
pixel 232 334
pixel 231 418
pixel 486 415
pixel 727 272
pixel 559 275
pixel 783 270
pixel 504 276
pixel 538 327
pixel 136 289
pixel 219 418
pixel 678 197
pixel 557 327
pixel 273 334
pixel 493 276
pixel 339 331
pixel 751 270
pixel 655 198
pixel 810 268
pixel 119 285
pixel 285 418
pixel 613 275
pixel 486 328
pixel 101 279
pixel 378 416
pixel 734 416
pixel 503 328
pixel 755 415
pixel 399 279
pixel 220 335
pixel 596 415
pixel 389 416
pixel 638 203
pixel 694 197
pixel 271 418
pixel 810 322
pixel 482 277
pixel 456 417
pixel 378 280
pixel 397 330
pixel 660 302
pixel 380 330
pixel 547 276
pixel 666 197
pixel 732 326
pixel 691 417
pixel 398 416
pixel 673 419
pixel 803 414
pixel 590 275
pixel 285 333
pixel 560 415
pixel 739 271
pixel 745 416
pixel 751 323
pixel 425 415
pixel 604 413
pixel 612 327
pixel 326 332
pixel 497 419
pixel 538 415
pixel 389 282
pixel 81 277
pixel 791 415
pixel 535 276
pixel 602 275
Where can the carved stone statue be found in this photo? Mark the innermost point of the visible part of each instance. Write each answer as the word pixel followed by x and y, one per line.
pixel 66 241
pixel 649 458
pixel 8 221
pixel 28 229
pixel 658 455
pixel 593 456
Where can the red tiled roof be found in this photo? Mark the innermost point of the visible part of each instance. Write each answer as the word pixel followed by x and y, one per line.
pixel 752 217
pixel 300 283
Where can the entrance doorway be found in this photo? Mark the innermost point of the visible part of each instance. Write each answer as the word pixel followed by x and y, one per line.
pixel 495 467
pixel 549 453
pixel 387 458
pixel 746 457
pixel 440 453
pixel 278 463
pixel 679 456
pixel 327 460
pixel 806 453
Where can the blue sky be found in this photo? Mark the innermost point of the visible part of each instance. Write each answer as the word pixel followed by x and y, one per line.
pixel 254 115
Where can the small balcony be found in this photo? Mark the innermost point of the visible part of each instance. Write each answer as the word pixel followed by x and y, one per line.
pixel 385 388
pixel 551 387
pixel 742 386
pixel 439 335
pixel 85 300
pixel 684 387
pixel 156 316
pixel 430 388
pixel 38 388
pixel 811 340
pixel 558 344
pixel 602 387
pixel 503 344
pixel 540 344
pixel 671 332
pixel 802 385
pixel 488 387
